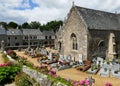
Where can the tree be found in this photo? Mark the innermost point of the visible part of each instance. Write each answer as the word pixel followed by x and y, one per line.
pixel 4 24
pixel 12 25
pixel 26 25
pixel 52 25
pixel 35 25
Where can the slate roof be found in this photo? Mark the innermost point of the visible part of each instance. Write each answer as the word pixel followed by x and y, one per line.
pixel 2 31
pixel 48 33
pixel 101 20
pixel 31 32
pixel 14 32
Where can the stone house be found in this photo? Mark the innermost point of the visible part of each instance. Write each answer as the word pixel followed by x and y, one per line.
pixel 14 37
pixel 49 38
pixel 3 35
pixel 38 38
pixel 89 33
pixel 30 36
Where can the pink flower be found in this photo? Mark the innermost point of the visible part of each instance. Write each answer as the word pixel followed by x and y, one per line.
pixel 82 82
pixel 9 63
pixel 75 83
pixel 87 82
pixel 10 51
pixel 53 71
pixel 108 84
pixel 0 65
pixel 49 73
pixel 4 64
pixel 67 79
pixel 55 76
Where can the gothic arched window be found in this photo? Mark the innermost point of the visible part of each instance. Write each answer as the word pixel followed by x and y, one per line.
pixel 74 42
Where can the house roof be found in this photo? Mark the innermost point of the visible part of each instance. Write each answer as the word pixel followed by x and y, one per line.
pixel 2 31
pixel 48 33
pixel 14 32
pixel 101 20
pixel 31 32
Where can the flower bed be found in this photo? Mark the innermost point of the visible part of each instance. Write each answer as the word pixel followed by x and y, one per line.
pixel 6 64
pixel 12 54
pixel 8 72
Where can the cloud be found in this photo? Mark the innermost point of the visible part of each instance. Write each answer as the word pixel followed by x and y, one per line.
pixel 46 10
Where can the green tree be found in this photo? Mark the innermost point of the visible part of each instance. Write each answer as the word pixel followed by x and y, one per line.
pixel 4 24
pixel 26 25
pixel 52 25
pixel 12 25
pixel 35 25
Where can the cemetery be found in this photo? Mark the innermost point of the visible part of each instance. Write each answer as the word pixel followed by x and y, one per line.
pixel 97 66
pixel 52 63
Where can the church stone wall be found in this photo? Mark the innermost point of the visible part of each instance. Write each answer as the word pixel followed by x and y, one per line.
pixel 102 35
pixel 75 24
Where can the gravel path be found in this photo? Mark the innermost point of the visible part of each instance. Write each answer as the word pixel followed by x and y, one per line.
pixel 32 60
pixel 74 74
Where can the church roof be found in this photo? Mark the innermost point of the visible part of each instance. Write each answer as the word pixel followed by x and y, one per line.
pixel 100 20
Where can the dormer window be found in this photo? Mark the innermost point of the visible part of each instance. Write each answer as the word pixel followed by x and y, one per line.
pixel 12 32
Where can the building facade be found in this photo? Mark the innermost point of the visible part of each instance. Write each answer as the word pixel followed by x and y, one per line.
pixel 89 33
pixel 15 38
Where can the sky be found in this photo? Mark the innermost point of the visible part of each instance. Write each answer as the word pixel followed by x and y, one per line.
pixel 21 11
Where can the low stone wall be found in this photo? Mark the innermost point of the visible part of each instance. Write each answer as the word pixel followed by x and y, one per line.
pixel 39 77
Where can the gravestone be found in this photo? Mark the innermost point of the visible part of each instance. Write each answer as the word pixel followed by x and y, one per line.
pixel 99 61
pixel 80 59
pixel 50 56
pixel 2 46
pixel 37 49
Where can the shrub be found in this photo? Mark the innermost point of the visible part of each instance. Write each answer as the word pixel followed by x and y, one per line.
pixel 7 73
pixel 55 80
pixel 23 61
pixel 12 54
pixel 23 80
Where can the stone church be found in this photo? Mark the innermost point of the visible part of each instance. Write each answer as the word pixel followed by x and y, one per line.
pixel 90 33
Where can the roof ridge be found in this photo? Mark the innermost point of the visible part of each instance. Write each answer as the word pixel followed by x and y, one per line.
pixel 95 10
